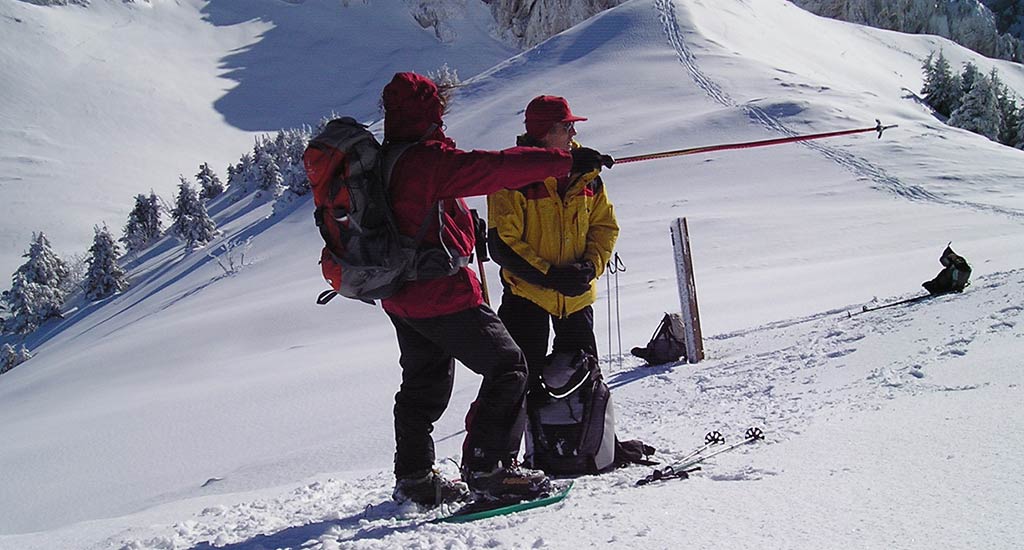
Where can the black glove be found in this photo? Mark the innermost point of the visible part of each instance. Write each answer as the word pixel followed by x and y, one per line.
pixel 586 160
pixel 570 280
pixel 587 270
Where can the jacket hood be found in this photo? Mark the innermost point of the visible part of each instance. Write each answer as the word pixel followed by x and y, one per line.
pixel 412 106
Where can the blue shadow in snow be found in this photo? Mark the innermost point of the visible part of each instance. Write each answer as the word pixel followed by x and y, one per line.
pixel 623 378
pixel 298 536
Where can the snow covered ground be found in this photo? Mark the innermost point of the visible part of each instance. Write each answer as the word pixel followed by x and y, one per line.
pixel 202 410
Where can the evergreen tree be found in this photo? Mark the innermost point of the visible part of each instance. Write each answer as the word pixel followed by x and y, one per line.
pixel 11 357
pixel 270 178
pixel 209 182
pixel 104 277
pixel 1019 143
pixel 979 111
pixel 1009 112
pixel 37 288
pixel 30 304
pixel 244 175
pixel 191 223
pixel 968 77
pixel 144 225
pixel 941 88
pixel 43 267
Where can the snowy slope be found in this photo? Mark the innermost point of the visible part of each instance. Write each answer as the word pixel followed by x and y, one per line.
pixel 103 102
pixel 897 429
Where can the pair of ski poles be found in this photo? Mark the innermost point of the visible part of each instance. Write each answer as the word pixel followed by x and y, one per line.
pixel 690 463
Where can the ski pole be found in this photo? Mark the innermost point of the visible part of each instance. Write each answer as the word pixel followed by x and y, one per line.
pixel 752 434
pixel 751 144
pixel 866 309
pixel 712 438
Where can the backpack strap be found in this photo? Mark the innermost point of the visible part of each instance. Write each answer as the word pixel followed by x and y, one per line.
pixel 390 154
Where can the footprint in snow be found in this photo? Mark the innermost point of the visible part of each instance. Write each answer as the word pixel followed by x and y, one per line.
pixel 840 353
pixel 746 474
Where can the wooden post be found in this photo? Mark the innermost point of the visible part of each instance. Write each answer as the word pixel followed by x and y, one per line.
pixel 687 291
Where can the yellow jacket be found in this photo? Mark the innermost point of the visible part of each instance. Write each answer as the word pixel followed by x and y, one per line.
pixel 543 229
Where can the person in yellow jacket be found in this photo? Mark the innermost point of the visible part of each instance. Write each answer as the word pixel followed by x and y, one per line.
pixel 552 239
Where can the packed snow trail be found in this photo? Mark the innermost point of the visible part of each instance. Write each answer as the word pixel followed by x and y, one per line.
pixel 857 165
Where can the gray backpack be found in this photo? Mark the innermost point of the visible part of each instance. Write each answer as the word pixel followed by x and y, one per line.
pixel 571 428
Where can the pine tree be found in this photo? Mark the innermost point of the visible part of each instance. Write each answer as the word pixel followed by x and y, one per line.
pixel 979 111
pixel 244 175
pixel 191 223
pixel 144 225
pixel 11 357
pixel 43 266
pixel 209 182
pixel 941 89
pixel 38 288
pixel 1019 143
pixel 1009 112
pixel 968 76
pixel 104 277
pixel 270 178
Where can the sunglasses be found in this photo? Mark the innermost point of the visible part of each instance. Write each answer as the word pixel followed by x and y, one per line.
pixel 568 126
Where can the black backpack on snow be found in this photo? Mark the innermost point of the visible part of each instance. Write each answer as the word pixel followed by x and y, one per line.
pixel 954 277
pixel 668 343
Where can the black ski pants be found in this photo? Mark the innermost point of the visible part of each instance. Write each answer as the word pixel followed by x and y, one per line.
pixel 429 348
pixel 528 324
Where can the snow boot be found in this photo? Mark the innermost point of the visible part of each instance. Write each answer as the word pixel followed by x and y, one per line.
pixel 507 480
pixel 429 490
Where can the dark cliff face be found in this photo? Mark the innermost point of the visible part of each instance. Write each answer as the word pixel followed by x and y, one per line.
pixel 527 24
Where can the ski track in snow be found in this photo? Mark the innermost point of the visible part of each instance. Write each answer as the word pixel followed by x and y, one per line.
pixel 779 377
pixel 856 165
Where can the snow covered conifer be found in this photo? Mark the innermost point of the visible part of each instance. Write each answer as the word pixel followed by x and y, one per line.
pixel 43 266
pixel 1019 142
pixel 37 288
pixel 209 182
pixel 979 110
pixel 270 178
pixel 191 223
pixel 1009 112
pixel 144 225
pixel 941 89
pixel 968 76
pixel 11 357
pixel 104 277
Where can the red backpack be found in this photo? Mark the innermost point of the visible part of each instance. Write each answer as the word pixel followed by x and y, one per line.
pixel 364 257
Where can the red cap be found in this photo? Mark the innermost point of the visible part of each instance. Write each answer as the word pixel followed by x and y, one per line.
pixel 546 110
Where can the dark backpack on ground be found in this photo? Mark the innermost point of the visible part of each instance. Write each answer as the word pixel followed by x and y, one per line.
pixel 954 277
pixel 364 257
pixel 668 343
pixel 571 427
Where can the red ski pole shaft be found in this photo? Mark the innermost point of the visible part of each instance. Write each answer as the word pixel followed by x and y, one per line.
pixel 751 144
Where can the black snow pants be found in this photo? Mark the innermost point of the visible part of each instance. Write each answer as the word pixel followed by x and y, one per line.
pixel 527 322
pixel 429 348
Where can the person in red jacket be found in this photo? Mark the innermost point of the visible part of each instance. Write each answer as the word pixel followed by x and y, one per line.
pixel 442 319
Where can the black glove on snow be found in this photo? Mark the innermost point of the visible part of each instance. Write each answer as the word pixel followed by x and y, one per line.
pixel 585 159
pixel 568 279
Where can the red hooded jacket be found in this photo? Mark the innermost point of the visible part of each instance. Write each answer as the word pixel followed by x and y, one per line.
pixel 435 170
